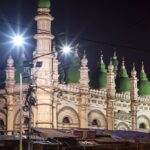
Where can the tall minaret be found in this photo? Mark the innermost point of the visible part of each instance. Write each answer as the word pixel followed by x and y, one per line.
pixel 84 90
pixel 43 75
pixel 10 83
pixel 84 77
pixel 133 96
pixel 10 75
pixel 110 96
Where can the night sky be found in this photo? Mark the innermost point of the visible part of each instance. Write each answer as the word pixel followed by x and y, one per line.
pixel 96 25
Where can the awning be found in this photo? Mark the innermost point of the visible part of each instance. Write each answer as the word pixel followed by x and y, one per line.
pixel 52 133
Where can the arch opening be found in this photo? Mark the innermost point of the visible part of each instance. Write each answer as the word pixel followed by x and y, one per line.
pixel 66 120
pixel 142 126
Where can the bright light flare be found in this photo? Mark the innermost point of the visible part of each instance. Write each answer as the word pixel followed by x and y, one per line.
pixel 18 40
pixel 66 49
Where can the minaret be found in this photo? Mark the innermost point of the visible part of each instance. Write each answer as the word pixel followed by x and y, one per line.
pixel 84 77
pixel 10 83
pixel 84 90
pixel 115 63
pixel 43 53
pixel 133 97
pixel 10 75
pixel 110 96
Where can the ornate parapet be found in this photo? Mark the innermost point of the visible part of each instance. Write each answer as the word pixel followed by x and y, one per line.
pixel 143 100
pixel 122 97
pixel 69 88
pixel 99 93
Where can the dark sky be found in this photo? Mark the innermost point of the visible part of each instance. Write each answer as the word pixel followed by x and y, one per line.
pixel 106 25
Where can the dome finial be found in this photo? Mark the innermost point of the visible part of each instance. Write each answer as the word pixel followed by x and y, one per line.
pixel 84 54
pixel 142 67
pixel 110 66
pixel 10 61
pixel 133 72
pixel 115 56
pixel 123 63
pixel 101 58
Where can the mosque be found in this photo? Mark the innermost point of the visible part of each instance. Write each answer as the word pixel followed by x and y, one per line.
pixel 120 103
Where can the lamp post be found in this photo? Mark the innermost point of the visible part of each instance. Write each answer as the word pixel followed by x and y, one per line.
pixel 18 41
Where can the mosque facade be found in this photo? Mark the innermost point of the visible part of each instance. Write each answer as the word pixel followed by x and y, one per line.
pixel 120 103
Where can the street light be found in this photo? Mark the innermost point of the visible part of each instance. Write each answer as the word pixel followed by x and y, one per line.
pixel 66 49
pixel 18 41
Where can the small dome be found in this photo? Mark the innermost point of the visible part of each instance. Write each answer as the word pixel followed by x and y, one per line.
pixel 102 80
pixel 73 72
pixel 123 81
pixel 144 84
pixel 115 62
pixel 144 88
pixel 102 75
pixel 44 4
pixel 124 85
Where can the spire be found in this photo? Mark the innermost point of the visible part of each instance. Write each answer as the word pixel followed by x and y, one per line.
pixel 101 58
pixel 123 63
pixel 133 72
pixel 84 60
pixel 84 78
pixel 10 75
pixel 115 56
pixel 110 66
pixel 115 61
pixel 143 75
pixel 10 62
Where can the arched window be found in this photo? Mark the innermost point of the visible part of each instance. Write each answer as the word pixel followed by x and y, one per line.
pixel 95 122
pixel 1 127
pixel 142 126
pixel 66 120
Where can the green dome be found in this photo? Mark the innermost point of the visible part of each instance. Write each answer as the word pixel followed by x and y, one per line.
pixel 144 84
pixel 143 76
pixel 123 73
pixel 102 80
pixel 115 62
pixel 73 72
pixel 102 76
pixel 43 3
pixel 123 81
pixel 124 85
pixel 144 88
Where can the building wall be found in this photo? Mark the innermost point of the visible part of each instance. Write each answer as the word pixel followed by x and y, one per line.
pixel 66 106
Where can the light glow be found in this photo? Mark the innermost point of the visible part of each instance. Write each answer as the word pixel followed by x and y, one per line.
pixel 18 40
pixel 66 49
